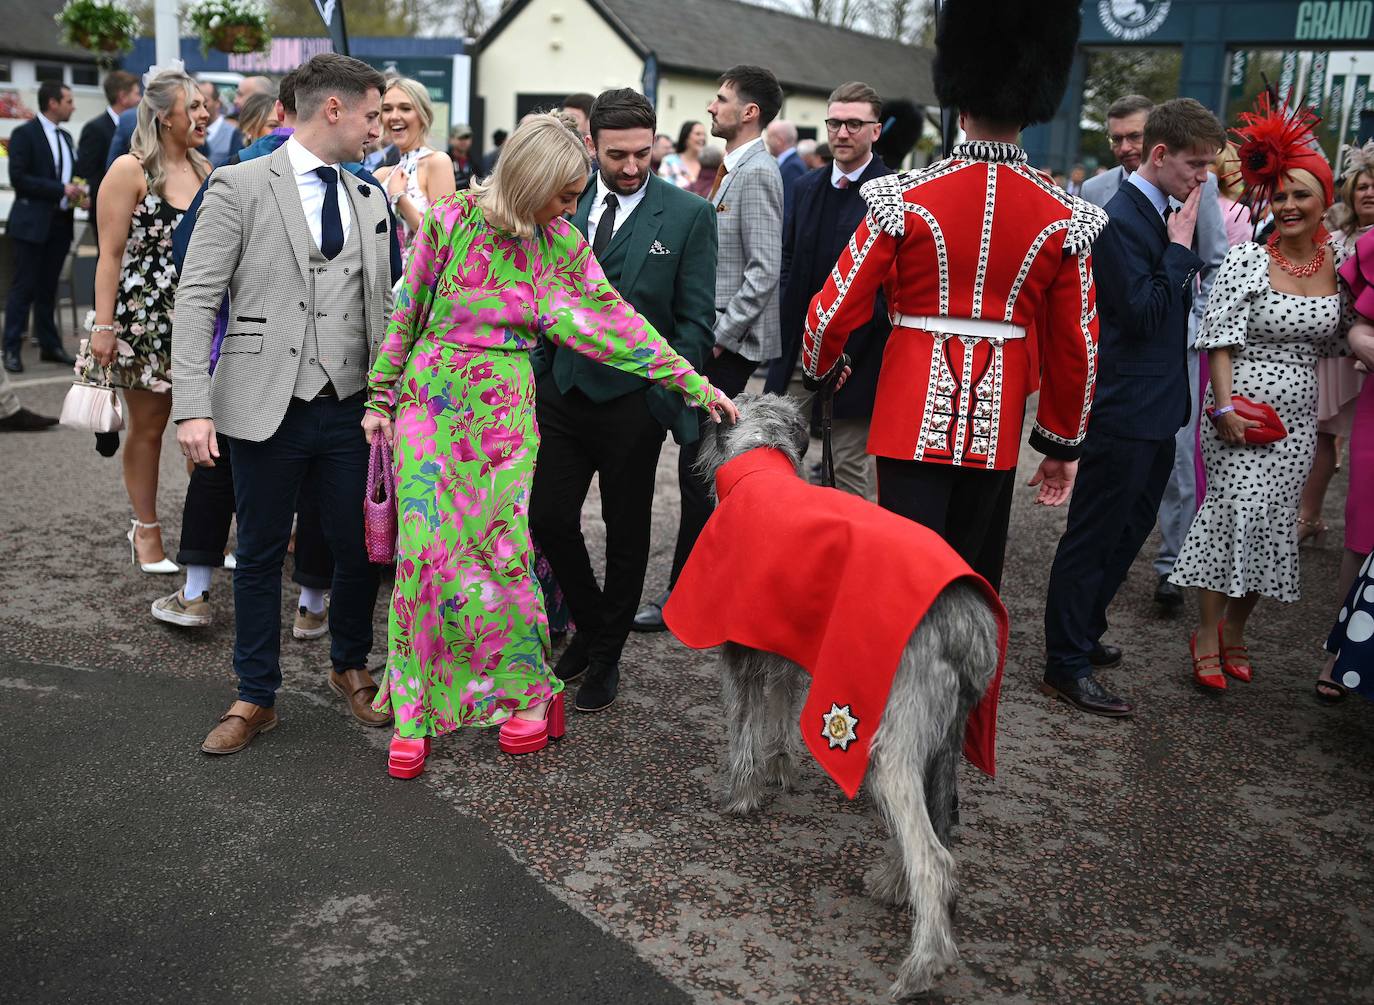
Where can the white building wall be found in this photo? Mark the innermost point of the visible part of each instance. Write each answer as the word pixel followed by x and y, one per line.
pixel 553 47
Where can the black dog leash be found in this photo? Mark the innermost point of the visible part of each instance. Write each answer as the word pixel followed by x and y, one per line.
pixel 827 394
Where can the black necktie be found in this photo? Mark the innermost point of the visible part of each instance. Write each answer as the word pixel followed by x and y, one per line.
pixel 1168 212
pixel 605 226
pixel 331 224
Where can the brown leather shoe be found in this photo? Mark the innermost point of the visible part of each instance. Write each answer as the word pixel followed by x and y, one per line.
pixel 238 726
pixel 358 689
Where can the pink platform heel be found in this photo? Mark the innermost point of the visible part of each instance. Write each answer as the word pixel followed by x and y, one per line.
pixel 406 758
pixel 525 736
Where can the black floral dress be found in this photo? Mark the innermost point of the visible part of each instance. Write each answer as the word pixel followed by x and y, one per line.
pixel 144 301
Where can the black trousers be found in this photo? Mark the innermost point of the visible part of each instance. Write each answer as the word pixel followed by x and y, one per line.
pixel 619 442
pixel 970 508
pixel 1115 499
pixel 33 288
pixel 729 372
pixel 209 509
pixel 319 441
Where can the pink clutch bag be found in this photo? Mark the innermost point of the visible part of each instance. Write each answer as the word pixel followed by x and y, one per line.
pixel 379 507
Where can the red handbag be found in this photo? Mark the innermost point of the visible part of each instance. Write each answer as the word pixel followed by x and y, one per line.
pixel 379 507
pixel 1270 428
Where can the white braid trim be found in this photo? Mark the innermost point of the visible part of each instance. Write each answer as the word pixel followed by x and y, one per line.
pixel 1085 224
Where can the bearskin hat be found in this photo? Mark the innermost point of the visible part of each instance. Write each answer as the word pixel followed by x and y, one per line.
pixel 1005 60
pixel 903 122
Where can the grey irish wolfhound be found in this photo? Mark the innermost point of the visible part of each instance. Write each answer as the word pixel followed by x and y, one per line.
pixel 946 666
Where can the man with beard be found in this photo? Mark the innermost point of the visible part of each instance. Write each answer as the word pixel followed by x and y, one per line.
pixel 657 245
pixel 747 195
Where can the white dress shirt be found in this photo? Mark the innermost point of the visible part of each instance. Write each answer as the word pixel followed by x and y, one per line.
pixel 627 205
pixel 733 158
pixel 114 116
pixel 836 174
pixel 61 155
pixel 312 188
pixel 1158 199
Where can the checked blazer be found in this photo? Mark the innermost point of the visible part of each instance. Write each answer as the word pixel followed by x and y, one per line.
pixel 252 240
pixel 749 227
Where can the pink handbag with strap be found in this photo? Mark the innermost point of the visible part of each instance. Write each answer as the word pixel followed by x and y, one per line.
pixel 379 507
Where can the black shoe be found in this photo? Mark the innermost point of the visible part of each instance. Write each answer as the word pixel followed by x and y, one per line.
pixel 1167 594
pixel 24 421
pixel 573 663
pixel 1104 656
pixel 58 355
pixel 12 361
pixel 649 618
pixel 598 689
pixel 1086 695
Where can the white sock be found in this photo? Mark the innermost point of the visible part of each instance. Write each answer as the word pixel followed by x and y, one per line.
pixel 197 581
pixel 312 599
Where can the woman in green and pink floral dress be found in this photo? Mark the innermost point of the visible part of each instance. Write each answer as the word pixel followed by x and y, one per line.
pixel 494 270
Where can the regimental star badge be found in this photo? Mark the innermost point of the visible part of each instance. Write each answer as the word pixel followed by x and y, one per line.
pixel 839 725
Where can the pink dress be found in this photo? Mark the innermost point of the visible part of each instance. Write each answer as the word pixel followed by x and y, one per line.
pixel 1358 273
pixel 1338 382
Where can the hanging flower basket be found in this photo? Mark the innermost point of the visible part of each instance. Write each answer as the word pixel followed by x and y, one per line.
pixel 106 27
pixel 237 26
pixel 238 38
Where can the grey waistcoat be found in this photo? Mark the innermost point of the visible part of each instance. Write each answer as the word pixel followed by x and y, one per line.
pixel 335 348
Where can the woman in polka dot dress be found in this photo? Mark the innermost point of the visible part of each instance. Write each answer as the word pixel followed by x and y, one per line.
pixel 1273 312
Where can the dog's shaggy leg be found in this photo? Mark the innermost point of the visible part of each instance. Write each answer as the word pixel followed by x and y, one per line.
pixel 886 881
pixel 923 702
pixel 785 692
pixel 742 693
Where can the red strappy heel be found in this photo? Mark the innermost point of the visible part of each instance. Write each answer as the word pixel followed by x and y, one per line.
pixel 1242 672
pixel 1207 670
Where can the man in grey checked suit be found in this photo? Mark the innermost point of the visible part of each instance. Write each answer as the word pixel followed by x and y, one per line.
pixel 1126 132
pixel 748 198
pixel 302 248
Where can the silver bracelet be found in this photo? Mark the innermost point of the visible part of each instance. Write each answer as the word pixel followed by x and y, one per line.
pixel 102 328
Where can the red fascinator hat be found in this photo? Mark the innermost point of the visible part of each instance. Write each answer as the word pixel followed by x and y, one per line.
pixel 1273 141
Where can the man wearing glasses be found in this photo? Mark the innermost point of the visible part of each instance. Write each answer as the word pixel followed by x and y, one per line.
pixel 1126 132
pixel 826 210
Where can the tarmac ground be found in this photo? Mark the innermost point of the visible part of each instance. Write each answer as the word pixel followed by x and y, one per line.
pixel 1210 849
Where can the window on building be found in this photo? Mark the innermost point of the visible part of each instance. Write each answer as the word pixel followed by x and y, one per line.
pixel 6 72
pixel 85 75
pixel 50 71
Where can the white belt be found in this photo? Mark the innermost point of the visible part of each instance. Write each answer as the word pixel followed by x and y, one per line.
pixel 974 327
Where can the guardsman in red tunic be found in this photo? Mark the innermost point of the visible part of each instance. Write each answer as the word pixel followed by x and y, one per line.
pixel 987 269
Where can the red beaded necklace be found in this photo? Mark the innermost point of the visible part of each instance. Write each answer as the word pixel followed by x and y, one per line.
pixel 1304 271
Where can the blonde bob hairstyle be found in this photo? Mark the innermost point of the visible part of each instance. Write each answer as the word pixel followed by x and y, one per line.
pixel 418 94
pixel 543 156
pixel 159 99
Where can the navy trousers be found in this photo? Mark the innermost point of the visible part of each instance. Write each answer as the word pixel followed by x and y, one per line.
pixel 1115 499
pixel 321 440
pixel 209 509
pixel 33 288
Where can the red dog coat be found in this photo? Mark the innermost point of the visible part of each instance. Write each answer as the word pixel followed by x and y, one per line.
pixel 831 582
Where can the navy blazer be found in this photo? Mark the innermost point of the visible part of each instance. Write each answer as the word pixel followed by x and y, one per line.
pixel 804 275
pixel 1144 293
pixel 123 136
pixel 38 188
pixel 792 170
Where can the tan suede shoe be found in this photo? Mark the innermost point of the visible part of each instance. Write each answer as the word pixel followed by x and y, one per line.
pixel 238 726
pixel 358 689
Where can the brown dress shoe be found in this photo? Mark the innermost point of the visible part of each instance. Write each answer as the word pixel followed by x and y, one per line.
pixel 238 726
pixel 357 688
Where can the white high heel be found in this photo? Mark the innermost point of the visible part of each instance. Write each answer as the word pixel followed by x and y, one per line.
pixel 162 568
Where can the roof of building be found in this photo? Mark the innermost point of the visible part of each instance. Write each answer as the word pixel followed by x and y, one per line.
pixel 707 36
pixel 31 32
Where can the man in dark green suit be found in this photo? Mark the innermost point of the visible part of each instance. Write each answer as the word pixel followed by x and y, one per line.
pixel 657 245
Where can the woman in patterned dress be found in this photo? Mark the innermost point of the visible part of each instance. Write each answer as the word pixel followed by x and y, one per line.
pixel 1273 312
pixel 494 270
pixel 423 175
pixel 684 165
pixel 142 199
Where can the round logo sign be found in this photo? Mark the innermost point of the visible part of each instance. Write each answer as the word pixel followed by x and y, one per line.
pixel 1132 20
